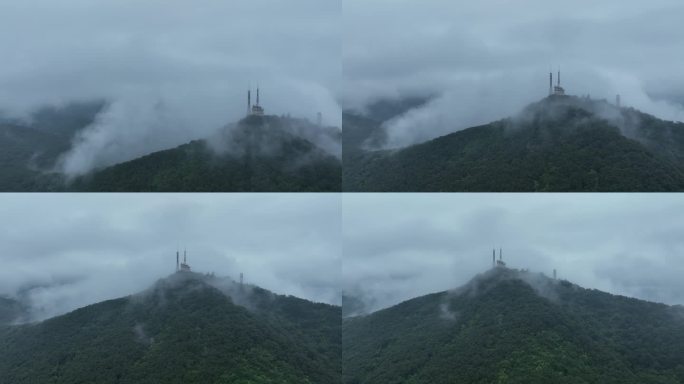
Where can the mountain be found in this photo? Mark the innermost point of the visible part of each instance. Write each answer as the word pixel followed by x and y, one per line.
pixel 260 153
pixel 188 328
pixel 30 147
pixel 562 143
pixel 11 311
pixel 510 326
pixel 364 128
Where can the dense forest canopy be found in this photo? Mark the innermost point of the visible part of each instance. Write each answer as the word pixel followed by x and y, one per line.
pixel 558 144
pixel 187 328
pixel 258 153
pixel 510 326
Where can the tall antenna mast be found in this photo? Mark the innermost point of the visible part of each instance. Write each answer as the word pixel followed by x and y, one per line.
pixel 559 77
pixel 499 253
pixel 249 100
pixel 550 83
pixel 257 95
pixel 493 257
pixel 185 261
pixel 177 260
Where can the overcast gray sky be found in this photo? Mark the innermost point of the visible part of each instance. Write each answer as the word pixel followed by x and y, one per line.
pixel 85 248
pixel 174 70
pixel 399 246
pixel 487 59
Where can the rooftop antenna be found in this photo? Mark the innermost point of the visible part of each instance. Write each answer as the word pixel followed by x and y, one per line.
pixel 249 100
pixel 177 260
pixel 257 100
pixel 558 77
pixel 499 253
pixel 550 83
pixel 184 256
pixel 493 257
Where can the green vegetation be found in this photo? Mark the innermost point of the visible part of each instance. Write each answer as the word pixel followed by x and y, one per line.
pixel 567 144
pixel 186 329
pixel 509 326
pixel 258 154
pixel 11 311
pixel 29 149
pixel 254 156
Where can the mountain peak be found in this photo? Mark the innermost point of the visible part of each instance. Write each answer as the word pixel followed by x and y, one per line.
pixel 508 325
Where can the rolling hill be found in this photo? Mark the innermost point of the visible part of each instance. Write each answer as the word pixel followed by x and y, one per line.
pixel 11 311
pixel 562 143
pixel 29 148
pixel 511 326
pixel 258 153
pixel 262 154
pixel 187 328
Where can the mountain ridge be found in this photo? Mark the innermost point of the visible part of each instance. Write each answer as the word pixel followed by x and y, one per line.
pixel 187 328
pixel 558 144
pixel 509 326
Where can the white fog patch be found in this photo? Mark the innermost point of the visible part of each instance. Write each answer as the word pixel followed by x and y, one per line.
pixel 127 129
pixel 140 334
pixel 446 313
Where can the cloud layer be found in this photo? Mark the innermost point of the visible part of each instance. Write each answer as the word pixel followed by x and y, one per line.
pixel 64 251
pixel 399 246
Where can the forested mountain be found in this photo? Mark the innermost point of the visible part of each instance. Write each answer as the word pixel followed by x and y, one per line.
pixel 29 148
pixel 11 311
pixel 258 153
pixel 562 143
pixel 261 154
pixel 187 328
pixel 510 326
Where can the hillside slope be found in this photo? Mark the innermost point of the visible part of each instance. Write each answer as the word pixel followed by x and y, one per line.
pixel 29 148
pixel 11 311
pixel 188 328
pixel 260 154
pixel 509 326
pixel 558 144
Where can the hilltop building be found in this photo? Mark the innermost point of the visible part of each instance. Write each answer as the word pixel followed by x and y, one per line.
pixel 256 109
pixel 184 266
pixel 497 263
pixel 555 90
